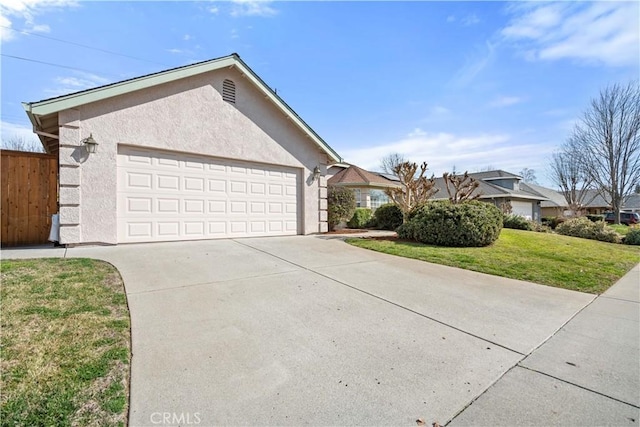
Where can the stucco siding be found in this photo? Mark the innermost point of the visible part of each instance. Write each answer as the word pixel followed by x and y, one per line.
pixel 187 116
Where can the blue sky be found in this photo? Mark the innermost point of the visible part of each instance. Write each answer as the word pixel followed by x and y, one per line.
pixel 464 84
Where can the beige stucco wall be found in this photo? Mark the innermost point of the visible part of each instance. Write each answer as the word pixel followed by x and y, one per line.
pixel 188 115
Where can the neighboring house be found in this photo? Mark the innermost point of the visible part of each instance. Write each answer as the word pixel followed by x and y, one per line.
pixel 555 204
pixel 499 188
pixel 202 151
pixel 368 187
pixel 632 203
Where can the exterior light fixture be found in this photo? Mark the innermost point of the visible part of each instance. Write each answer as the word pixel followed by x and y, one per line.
pixel 316 173
pixel 90 144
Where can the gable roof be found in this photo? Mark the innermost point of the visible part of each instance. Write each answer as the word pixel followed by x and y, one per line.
pixel 355 176
pixel 42 113
pixel 488 190
pixel 554 198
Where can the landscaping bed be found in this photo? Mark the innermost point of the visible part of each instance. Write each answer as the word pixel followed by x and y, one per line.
pixel 65 352
pixel 545 258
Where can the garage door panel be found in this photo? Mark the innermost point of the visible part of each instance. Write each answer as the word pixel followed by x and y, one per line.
pixel 170 196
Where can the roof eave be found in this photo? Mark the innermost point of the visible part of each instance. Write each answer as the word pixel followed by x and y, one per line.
pixel 42 108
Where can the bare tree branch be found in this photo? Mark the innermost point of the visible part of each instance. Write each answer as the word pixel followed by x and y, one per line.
pixel 607 139
pixel 464 187
pixel 20 143
pixel 415 190
pixel 389 162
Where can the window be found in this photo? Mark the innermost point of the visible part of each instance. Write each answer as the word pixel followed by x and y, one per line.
pixel 358 193
pixel 229 91
pixel 378 198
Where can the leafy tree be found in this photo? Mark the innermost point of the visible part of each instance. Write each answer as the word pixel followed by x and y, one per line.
pixel 416 188
pixel 463 189
pixel 389 162
pixel 341 205
pixel 606 141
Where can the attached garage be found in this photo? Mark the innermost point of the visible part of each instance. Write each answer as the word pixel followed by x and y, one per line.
pixel 197 152
pixel 165 196
pixel 522 208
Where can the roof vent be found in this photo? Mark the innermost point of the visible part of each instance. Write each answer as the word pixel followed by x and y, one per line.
pixel 229 91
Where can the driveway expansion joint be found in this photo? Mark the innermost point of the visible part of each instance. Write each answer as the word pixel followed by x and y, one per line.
pixel 388 301
pixel 577 385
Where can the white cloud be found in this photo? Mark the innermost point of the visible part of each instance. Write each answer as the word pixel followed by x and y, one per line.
pixel 252 8
pixel 79 81
pixel 187 37
pixel 600 32
pixel 174 51
pixel 439 110
pixel 470 20
pixel 16 130
pixel 24 12
pixel 451 18
pixel 505 101
pixel 214 10
pixel 440 150
pixel 234 34
pixel 484 55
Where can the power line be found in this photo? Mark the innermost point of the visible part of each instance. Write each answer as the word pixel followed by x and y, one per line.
pixel 49 63
pixel 83 45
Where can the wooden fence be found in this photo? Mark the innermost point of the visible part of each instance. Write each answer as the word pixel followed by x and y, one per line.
pixel 29 196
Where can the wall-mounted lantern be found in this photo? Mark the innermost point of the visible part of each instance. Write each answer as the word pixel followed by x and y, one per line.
pixel 90 144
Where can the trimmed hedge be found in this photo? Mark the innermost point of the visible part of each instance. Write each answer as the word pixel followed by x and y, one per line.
pixel 360 218
pixel 387 217
pixel 586 229
pixel 516 222
pixel 553 221
pixel 341 204
pixel 442 223
pixel 632 237
pixel 595 218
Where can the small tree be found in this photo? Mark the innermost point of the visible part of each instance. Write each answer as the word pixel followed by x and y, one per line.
pixel 571 178
pixel 463 189
pixel 341 205
pixel 389 162
pixel 528 175
pixel 416 189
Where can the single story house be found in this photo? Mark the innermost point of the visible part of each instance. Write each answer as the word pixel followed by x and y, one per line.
pixel 201 151
pixel 500 187
pixel 368 187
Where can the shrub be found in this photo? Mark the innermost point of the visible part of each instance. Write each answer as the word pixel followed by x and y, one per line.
pixel 360 218
pixel 387 217
pixel 540 228
pixel 595 218
pixel 553 221
pixel 516 222
pixel 586 229
pixel 341 204
pixel 632 237
pixel 445 224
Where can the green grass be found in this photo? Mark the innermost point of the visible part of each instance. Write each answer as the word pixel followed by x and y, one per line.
pixel 545 258
pixel 65 350
pixel 622 229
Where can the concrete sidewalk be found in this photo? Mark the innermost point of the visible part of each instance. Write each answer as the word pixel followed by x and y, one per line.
pixel 309 330
pixel 588 373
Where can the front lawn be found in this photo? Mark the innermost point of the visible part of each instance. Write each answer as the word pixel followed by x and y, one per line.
pixel 545 258
pixel 65 350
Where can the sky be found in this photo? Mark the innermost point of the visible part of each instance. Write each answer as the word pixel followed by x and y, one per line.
pixel 460 85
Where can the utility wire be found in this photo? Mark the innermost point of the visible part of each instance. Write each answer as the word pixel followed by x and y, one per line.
pixel 83 45
pixel 49 63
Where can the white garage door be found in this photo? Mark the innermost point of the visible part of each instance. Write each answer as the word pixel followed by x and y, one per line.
pixel 524 209
pixel 169 196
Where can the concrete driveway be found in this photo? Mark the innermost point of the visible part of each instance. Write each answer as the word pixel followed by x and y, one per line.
pixel 308 330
